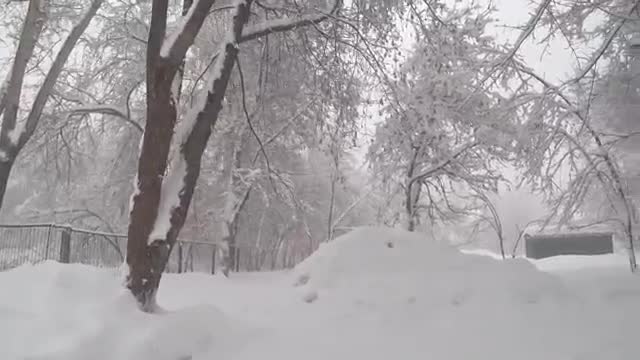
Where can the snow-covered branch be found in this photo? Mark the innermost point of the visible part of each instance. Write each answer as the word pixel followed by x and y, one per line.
pixel 280 25
pixel 606 44
pixel 435 168
pixel 106 110
pixel 528 30
pixel 175 46
pixel 54 72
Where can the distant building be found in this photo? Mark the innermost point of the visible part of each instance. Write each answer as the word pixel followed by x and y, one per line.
pixel 541 246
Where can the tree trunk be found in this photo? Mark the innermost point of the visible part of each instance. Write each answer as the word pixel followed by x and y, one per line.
pixel 411 198
pixel 12 89
pixel 161 200
pixel 149 243
pixel 332 200
pixel 236 199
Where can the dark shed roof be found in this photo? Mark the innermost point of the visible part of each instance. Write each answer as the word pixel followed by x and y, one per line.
pixel 587 243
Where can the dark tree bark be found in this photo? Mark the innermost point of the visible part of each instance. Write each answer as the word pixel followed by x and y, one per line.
pixel 149 240
pixel 411 196
pixel 147 257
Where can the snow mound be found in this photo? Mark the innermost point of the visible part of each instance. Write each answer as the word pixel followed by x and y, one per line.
pixel 570 263
pixel 383 264
pixel 81 312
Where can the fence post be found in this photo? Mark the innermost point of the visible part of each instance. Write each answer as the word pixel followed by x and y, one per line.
pixel 213 260
pixel 65 245
pixel 179 257
pixel 46 252
pixel 237 260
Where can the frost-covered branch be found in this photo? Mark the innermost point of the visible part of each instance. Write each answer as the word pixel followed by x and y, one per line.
pixel 281 25
pixel 435 168
pixel 606 44
pixel 106 110
pixel 614 174
pixel 527 31
pixel 494 220
pixel 350 208
pixel 54 72
pixel 175 46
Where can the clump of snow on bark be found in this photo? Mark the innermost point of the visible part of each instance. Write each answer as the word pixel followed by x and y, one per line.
pixel 173 184
pixel 136 183
pixel 136 192
pixel 16 133
pixel 172 187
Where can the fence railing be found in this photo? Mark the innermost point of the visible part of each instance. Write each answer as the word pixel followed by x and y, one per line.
pixel 33 243
pixel 21 244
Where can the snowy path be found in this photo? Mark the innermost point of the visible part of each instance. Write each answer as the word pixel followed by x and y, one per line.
pixel 439 306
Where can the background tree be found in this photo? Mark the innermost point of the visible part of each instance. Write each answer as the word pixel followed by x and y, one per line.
pixel 446 135
pixel 580 158
pixel 42 21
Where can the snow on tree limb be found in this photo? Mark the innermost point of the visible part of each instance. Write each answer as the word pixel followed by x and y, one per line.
pixel 56 68
pixel 527 31
pixel 175 46
pixel 435 168
pixel 280 25
pixel 106 110
pixel 606 44
pixel 175 183
pixel 172 187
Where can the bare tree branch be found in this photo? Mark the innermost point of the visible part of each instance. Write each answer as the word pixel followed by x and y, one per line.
pixel 175 47
pixel 435 168
pixel 280 25
pixel 54 72
pixel 106 110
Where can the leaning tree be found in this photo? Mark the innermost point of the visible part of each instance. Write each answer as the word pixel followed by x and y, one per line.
pixel 172 146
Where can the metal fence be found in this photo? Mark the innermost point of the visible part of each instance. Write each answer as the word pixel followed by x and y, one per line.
pixel 33 243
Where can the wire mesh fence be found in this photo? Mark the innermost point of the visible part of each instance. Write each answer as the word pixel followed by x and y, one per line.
pixel 19 245
pixel 33 243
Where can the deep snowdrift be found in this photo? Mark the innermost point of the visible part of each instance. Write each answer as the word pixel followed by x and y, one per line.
pixel 387 265
pixel 375 293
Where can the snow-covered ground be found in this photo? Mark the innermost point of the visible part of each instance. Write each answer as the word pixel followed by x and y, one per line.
pixel 372 294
